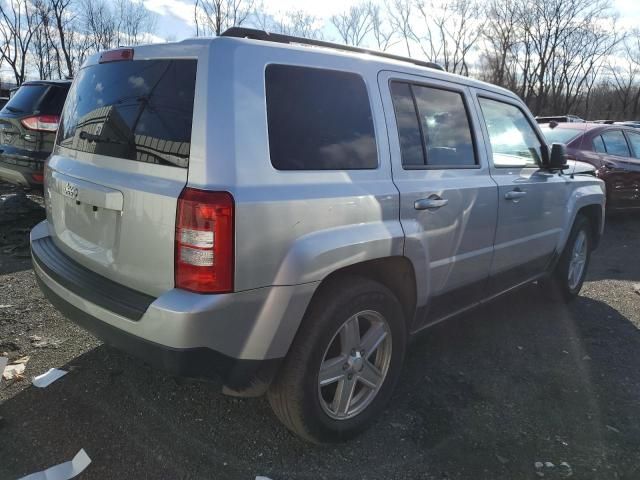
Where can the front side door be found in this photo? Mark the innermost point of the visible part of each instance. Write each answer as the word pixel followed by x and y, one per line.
pixel 447 197
pixel 531 202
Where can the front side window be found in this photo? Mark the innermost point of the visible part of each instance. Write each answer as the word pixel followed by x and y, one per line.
pixel 138 110
pixel 513 140
pixel 615 143
pixel 319 120
pixel 433 127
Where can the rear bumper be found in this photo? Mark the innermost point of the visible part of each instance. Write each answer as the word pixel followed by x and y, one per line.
pixel 19 166
pixel 239 337
pixel 243 377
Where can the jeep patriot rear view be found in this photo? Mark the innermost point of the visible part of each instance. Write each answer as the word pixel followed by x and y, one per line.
pixel 285 217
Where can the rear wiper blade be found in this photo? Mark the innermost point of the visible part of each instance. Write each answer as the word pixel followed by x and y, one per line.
pixel 90 137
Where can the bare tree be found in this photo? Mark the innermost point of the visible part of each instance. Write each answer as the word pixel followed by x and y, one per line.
pixel 125 22
pixel 297 23
pixel 60 12
pixel 501 36
pixel 624 71
pixel 549 24
pixel 212 17
pixel 134 22
pixel 354 24
pixel 99 25
pixel 400 13
pixel 447 32
pixel 19 20
pixel 43 53
pixel 381 28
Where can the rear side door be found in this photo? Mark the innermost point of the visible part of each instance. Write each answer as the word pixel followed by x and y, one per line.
pixel 623 170
pixel 447 198
pixel 633 138
pixel 531 202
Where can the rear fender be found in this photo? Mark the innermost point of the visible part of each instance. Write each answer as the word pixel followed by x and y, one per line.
pixel 316 255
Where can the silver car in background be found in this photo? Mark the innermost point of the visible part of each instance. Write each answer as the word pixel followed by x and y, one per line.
pixel 286 216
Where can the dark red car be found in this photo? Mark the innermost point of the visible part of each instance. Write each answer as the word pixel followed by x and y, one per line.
pixel 614 150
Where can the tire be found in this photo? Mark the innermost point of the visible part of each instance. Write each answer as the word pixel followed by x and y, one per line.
pixel 560 283
pixel 296 397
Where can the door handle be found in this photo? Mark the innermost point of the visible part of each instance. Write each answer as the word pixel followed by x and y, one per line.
pixel 432 203
pixel 515 194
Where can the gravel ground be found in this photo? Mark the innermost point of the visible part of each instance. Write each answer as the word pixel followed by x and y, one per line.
pixel 482 396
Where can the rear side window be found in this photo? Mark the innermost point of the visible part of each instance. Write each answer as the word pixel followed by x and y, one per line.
pixel 598 145
pixel 634 140
pixel 408 126
pixel 432 125
pixel 445 127
pixel 38 99
pixel 616 144
pixel 137 110
pixel 319 120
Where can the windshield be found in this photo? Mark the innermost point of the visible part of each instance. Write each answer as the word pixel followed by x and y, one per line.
pixel 138 110
pixel 38 99
pixel 560 135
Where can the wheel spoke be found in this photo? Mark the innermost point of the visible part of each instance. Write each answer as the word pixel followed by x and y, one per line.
pixel 347 380
pixel 331 370
pixel 572 272
pixel 370 375
pixel 350 335
pixel 372 339
pixel 582 243
pixel 343 395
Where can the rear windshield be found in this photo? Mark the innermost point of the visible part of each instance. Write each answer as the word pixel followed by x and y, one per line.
pixel 560 135
pixel 137 110
pixel 38 99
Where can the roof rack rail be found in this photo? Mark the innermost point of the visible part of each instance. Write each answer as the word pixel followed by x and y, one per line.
pixel 254 34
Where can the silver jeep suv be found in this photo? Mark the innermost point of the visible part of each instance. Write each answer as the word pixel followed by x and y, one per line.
pixel 284 216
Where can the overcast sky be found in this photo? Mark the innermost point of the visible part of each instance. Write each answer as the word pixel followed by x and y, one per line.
pixel 175 17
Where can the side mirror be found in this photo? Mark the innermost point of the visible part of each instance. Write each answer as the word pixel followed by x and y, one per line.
pixel 558 157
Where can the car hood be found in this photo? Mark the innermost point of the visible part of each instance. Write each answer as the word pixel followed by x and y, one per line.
pixel 576 167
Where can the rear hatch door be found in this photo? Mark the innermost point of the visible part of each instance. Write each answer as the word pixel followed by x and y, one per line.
pixel 120 163
pixel 33 104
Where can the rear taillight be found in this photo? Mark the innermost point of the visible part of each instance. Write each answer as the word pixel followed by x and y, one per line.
pixel 37 177
pixel 41 123
pixel 204 241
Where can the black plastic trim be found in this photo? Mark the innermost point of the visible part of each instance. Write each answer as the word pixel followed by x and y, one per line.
pixel 253 34
pixel 240 377
pixel 89 285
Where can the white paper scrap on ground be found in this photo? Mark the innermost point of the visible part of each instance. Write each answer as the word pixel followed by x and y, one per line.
pixel 3 363
pixel 65 470
pixel 13 371
pixel 48 378
pixel 262 478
